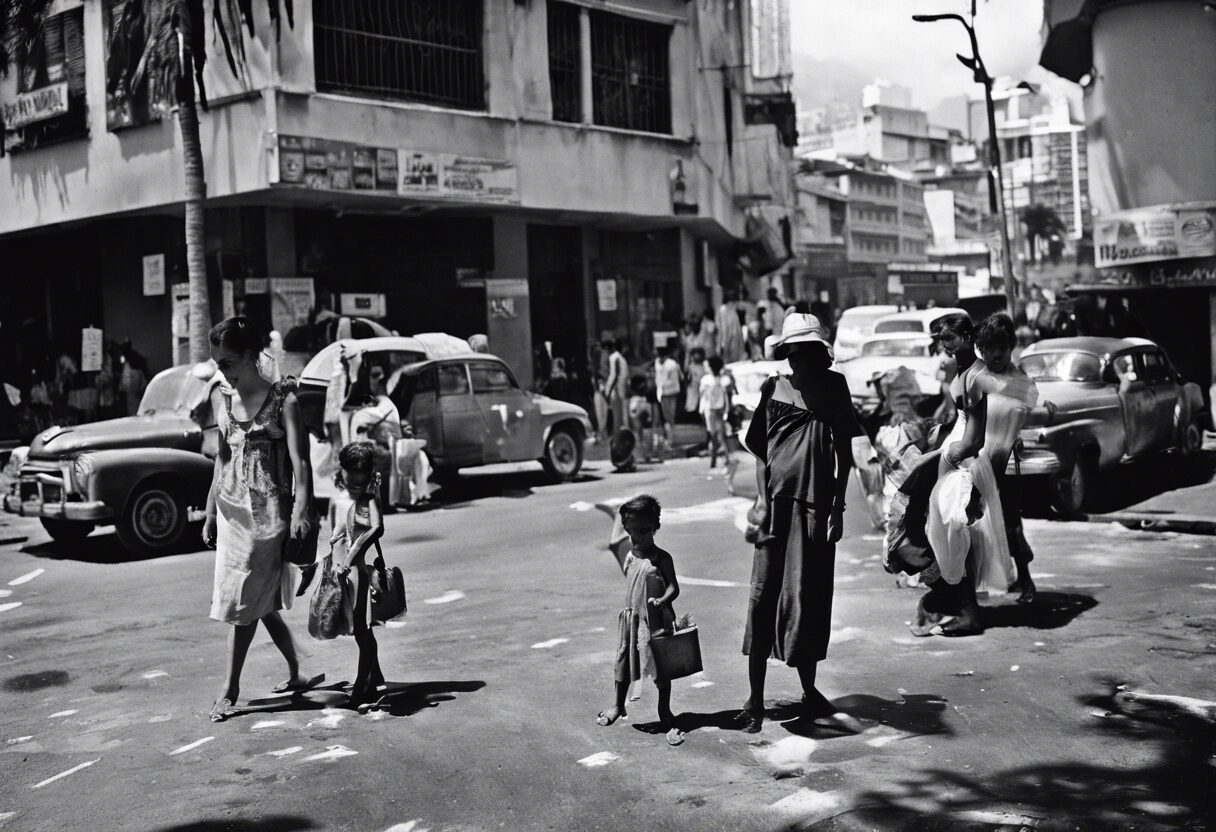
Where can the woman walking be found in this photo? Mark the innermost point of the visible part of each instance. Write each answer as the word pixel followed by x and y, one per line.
pixel 253 507
pixel 801 435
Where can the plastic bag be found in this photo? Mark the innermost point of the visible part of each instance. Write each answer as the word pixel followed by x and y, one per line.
pixel 948 531
pixel 331 613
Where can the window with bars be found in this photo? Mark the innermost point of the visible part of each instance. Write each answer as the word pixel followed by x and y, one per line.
pixel 565 62
pixel 56 57
pixel 418 50
pixel 630 81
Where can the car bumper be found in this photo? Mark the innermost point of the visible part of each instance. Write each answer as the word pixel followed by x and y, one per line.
pixel 29 504
pixel 1033 462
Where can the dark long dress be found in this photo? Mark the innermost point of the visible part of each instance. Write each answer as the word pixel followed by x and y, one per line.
pixel 790 611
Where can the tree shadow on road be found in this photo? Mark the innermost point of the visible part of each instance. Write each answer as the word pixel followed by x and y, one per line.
pixel 1169 792
pixel 1050 611
pixel 271 823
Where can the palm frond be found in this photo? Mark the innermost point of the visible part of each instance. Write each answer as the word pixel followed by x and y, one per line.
pixel 21 25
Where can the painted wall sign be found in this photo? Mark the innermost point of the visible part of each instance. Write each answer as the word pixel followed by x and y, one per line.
pixel 91 349
pixel 363 304
pixel 36 105
pixel 605 292
pixel 1197 272
pixel 451 176
pixel 154 274
pixel 1161 232
pixel 291 302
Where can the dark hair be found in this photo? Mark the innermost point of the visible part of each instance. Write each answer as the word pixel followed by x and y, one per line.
pixel 958 324
pixel 715 364
pixel 356 457
pixel 697 352
pixel 642 507
pixel 996 330
pixel 238 334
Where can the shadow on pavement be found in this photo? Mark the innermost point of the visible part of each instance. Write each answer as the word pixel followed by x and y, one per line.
pixel 916 713
pixel 271 823
pixel 1170 791
pixel 1050 611
pixel 106 548
pixel 467 488
pixel 1126 485
pixel 408 698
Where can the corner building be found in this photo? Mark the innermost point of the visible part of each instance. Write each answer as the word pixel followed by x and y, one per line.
pixel 540 172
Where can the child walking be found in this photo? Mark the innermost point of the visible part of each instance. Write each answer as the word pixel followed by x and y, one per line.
pixel 357 524
pixel 651 586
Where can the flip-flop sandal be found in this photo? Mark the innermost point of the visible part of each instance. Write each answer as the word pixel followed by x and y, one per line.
pixel 290 686
pixel 749 722
pixel 603 719
pixel 675 737
pixel 222 709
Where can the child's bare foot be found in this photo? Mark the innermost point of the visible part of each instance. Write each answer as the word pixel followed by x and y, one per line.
pixel 610 716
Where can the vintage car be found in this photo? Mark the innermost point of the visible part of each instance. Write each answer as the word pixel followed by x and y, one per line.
pixel 148 474
pixel 467 405
pixel 855 325
pixel 914 320
pixel 1115 400
pixel 880 354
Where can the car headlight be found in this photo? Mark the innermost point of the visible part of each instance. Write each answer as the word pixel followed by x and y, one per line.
pixel 82 473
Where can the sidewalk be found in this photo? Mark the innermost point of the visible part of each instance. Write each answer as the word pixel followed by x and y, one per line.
pixel 1189 510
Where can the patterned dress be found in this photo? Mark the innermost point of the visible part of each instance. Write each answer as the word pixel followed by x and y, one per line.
pixel 639 620
pixel 253 501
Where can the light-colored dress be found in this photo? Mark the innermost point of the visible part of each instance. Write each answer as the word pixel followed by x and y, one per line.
pixel 253 501
pixel 639 620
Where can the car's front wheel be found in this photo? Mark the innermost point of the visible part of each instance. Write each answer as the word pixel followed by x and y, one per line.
pixel 67 531
pixel 154 520
pixel 1191 442
pixel 563 454
pixel 1073 488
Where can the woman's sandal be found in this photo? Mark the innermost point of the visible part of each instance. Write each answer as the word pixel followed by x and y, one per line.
pixel 222 708
pixel 750 722
pixel 291 686
pixel 604 719
pixel 675 737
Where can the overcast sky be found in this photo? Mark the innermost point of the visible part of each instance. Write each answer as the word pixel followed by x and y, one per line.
pixel 879 38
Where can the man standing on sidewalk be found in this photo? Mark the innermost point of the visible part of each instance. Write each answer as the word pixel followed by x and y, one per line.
pixel 617 387
pixel 667 386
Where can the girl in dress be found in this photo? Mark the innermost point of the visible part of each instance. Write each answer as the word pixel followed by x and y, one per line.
pixel 357 524
pixel 650 576
pixel 261 492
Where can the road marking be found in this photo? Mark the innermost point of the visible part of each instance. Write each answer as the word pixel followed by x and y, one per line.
pixel 1205 586
pixel 581 505
pixel 684 579
pixel 394 625
pixel 6 815
pixel 599 758
pixel 17 740
pixel 333 752
pixel 786 752
pixel 4 593
pixel 728 508
pixel 155 674
pixel 446 598
pixel 545 645
pixel 63 774
pixel 879 742
pixel 1014 668
pixel 331 718
pixel 284 752
pixel 11 605
pixel 872 537
pixel 808 800
pixel 191 746
pixel 269 723
pixel 408 826
pixel 26 578
pixel 58 714
pixel 702 684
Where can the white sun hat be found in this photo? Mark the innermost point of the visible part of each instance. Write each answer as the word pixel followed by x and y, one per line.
pixel 800 328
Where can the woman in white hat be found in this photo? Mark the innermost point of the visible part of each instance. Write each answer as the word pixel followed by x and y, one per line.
pixel 801 434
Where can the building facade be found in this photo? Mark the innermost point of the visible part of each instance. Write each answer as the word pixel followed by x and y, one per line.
pixel 548 173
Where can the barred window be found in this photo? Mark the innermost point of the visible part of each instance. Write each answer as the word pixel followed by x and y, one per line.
pixel 418 50
pixel 565 62
pixel 630 81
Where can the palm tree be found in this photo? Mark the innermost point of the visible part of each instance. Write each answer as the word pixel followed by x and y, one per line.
pixel 1042 223
pixel 175 51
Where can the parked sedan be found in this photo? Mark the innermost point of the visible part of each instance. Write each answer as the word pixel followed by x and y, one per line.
pixel 1116 400
pixel 880 354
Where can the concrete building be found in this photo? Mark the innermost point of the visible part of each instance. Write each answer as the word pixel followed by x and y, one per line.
pixel 1150 109
pixel 541 171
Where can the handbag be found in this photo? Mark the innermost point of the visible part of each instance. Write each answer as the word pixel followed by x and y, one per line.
pixel 331 612
pixel 387 590
pixel 302 551
pixel 677 655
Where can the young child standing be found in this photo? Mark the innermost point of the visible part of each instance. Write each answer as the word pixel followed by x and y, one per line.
pixel 651 586
pixel 357 524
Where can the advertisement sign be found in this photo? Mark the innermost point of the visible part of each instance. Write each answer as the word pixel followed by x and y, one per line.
pixel 181 310
pixel 154 275
pixel 228 290
pixel 36 105
pixel 1191 273
pixel 448 175
pixel 291 302
pixel 362 305
pixel 605 291
pixel 91 350
pixel 324 165
pixel 1147 235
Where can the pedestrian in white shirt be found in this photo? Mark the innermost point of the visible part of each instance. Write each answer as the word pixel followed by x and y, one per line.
pixel 617 386
pixel 667 385
pixel 717 387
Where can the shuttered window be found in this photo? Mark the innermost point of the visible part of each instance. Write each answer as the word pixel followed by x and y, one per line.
pixel 57 57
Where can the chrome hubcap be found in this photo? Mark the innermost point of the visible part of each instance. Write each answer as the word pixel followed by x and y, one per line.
pixel 155 516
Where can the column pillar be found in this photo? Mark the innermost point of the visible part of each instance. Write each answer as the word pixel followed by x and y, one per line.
pixel 508 313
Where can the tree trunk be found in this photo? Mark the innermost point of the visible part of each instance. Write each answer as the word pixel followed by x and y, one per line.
pixel 196 260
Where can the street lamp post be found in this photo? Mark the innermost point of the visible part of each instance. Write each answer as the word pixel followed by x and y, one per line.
pixel 980 73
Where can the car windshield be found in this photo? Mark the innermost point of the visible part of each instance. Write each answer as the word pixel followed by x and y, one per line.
pixel 896 346
pixel 1061 366
pixel 179 390
pixel 749 381
pixel 860 321
pixel 898 326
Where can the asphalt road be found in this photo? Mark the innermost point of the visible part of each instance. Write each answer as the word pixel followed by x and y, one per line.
pixel 108 666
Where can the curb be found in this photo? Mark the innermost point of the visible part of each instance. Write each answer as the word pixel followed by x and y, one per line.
pixel 1153 522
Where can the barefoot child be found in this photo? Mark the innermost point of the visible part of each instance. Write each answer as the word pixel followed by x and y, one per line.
pixel 650 576
pixel 357 524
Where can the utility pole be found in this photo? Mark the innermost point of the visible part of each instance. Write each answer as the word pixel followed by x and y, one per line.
pixel 976 64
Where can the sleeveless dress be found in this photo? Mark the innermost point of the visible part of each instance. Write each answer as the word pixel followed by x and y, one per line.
pixel 790 609
pixel 253 501
pixel 639 620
